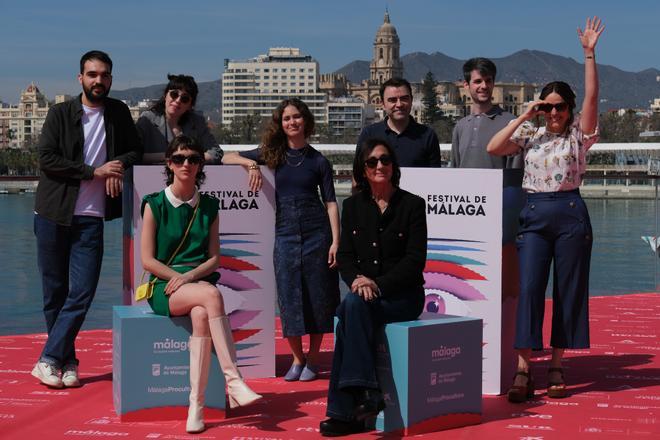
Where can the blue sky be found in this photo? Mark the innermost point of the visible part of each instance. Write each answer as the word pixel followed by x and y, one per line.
pixel 42 41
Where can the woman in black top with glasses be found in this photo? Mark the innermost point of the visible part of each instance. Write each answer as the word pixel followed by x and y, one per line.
pixel 381 257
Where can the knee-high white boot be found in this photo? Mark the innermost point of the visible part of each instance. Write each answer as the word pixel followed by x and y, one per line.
pixel 200 360
pixel 237 390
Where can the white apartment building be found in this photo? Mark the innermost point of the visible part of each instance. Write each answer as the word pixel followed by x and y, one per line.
pixel 258 85
pixel 347 115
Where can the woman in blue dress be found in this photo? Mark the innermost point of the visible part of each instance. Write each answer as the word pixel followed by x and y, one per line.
pixel 306 231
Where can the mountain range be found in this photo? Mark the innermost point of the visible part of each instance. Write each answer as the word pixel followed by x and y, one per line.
pixel 618 88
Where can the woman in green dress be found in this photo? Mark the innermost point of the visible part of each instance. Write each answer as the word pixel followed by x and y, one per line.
pixel 184 272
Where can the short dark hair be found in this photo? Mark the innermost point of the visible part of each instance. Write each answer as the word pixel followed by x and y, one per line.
pixel 395 82
pixel 483 65
pixel 564 90
pixel 363 154
pixel 183 142
pixel 177 82
pixel 95 55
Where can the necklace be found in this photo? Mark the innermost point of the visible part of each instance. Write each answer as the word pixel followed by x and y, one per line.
pixel 299 155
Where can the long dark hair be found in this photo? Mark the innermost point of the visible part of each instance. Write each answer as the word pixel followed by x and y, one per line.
pixel 564 90
pixel 358 164
pixel 177 82
pixel 274 142
pixel 183 142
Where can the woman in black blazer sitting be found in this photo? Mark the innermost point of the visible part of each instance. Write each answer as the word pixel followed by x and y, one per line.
pixel 382 252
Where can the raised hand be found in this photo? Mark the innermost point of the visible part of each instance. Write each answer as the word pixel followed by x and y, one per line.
pixel 592 30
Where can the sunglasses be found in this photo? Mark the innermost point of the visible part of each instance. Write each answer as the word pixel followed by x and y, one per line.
pixel 183 97
pixel 547 108
pixel 179 159
pixel 372 162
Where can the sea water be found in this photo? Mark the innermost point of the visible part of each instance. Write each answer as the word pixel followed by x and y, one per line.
pixel 621 262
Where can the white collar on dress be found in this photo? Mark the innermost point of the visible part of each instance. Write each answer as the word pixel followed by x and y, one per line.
pixel 176 202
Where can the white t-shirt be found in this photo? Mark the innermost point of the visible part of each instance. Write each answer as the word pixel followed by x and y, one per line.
pixel 91 197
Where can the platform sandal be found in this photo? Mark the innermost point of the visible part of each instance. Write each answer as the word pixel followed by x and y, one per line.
pixel 521 393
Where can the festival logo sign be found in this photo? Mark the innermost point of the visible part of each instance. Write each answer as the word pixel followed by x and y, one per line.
pixel 463 272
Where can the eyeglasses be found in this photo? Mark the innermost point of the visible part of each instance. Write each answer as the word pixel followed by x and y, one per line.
pixel 183 97
pixel 547 108
pixel 372 162
pixel 193 159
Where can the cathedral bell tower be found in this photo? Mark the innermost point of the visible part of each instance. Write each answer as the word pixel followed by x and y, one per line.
pixel 386 63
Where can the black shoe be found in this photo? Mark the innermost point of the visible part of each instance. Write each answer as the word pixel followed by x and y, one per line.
pixel 369 403
pixel 336 428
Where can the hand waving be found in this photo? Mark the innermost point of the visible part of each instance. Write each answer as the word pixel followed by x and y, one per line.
pixel 592 30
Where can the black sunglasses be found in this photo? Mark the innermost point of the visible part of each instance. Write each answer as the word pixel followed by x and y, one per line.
pixel 372 162
pixel 179 159
pixel 547 108
pixel 183 97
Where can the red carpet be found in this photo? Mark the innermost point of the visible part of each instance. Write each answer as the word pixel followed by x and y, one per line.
pixel 615 392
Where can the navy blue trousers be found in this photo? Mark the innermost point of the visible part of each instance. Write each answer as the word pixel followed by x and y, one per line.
pixel 353 362
pixel 554 228
pixel 69 259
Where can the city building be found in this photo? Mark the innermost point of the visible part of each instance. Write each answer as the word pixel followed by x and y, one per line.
pixel 655 107
pixel 20 125
pixel 346 116
pixel 256 86
pixel 453 100
pixel 142 106
pixel 384 65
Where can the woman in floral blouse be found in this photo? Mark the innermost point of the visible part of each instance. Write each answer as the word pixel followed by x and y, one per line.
pixel 554 224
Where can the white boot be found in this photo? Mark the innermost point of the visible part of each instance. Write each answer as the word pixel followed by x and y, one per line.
pixel 200 360
pixel 237 390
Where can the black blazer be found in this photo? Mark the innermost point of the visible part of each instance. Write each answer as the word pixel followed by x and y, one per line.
pixel 389 248
pixel 61 156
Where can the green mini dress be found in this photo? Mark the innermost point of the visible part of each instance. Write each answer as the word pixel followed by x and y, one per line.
pixel 171 223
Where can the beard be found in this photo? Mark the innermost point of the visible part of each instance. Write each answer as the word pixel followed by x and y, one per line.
pixel 96 93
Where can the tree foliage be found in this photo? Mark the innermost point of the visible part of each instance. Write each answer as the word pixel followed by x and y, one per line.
pixel 245 129
pixel 19 162
pixel 430 111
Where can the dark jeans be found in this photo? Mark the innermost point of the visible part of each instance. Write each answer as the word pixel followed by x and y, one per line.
pixel 555 227
pixel 353 363
pixel 69 259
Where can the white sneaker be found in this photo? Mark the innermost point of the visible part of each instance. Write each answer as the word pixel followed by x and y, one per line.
pixel 70 376
pixel 47 374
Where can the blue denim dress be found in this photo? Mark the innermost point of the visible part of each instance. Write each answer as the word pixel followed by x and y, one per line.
pixel 307 290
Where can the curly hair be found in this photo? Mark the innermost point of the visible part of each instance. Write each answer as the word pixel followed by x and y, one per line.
pixel 274 141
pixel 184 142
pixel 361 157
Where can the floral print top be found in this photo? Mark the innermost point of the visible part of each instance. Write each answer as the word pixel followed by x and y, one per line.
pixel 553 162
